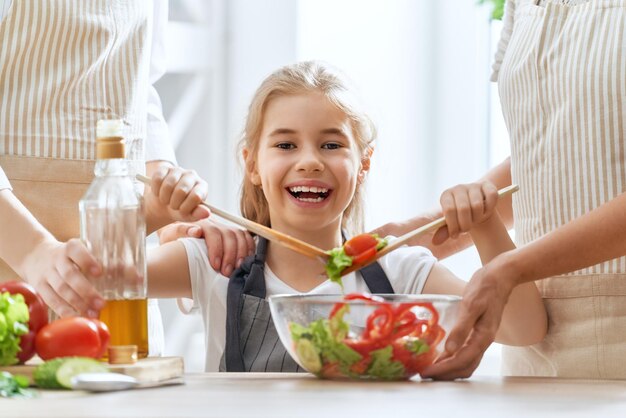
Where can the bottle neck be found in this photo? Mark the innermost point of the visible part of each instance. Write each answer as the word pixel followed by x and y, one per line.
pixel 111 167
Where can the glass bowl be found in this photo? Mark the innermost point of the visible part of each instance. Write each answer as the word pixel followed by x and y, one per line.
pixel 359 336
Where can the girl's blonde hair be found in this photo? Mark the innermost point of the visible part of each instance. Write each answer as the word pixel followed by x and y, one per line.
pixel 301 78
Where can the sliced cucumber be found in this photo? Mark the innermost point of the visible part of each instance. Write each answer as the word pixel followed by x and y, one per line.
pixel 308 355
pixel 57 373
pixel 45 374
pixel 74 366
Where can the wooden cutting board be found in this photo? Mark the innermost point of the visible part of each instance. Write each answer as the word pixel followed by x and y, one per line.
pixel 147 370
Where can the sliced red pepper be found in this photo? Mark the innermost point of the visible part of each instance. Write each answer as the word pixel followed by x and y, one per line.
pixel 363 296
pixel 360 367
pixel 336 309
pixel 364 346
pixel 380 323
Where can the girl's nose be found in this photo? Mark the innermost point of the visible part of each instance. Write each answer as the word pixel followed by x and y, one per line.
pixel 310 161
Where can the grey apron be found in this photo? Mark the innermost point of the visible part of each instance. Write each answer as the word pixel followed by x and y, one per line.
pixel 252 343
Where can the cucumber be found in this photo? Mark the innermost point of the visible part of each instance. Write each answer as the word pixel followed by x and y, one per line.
pixel 308 355
pixel 58 373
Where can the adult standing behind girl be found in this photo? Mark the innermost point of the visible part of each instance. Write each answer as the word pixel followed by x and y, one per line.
pixel 561 72
pixel 63 66
pixel 307 146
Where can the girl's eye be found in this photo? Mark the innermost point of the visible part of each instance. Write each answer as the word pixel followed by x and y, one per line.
pixel 285 145
pixel 332 145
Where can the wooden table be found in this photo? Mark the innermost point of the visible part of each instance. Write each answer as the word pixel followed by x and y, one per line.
pixel 295 395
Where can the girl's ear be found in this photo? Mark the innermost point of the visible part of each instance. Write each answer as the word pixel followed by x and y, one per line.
pixel 365 163
pixel 251 170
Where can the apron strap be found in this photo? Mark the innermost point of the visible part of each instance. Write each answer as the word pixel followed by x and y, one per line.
pixel 376 279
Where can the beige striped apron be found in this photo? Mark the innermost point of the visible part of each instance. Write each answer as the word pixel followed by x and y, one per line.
pixel 562 84
pixel 65 64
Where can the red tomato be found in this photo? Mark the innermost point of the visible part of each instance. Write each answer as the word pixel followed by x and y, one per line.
pixel 360 244
pixel 65 337
pixel 27 347
pixel 37 309
pixel 37 312
pixel 365 256
pixel 104 334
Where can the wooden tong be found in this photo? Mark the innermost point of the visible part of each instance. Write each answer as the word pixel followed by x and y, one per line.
pixel 288 241
pixel 400 241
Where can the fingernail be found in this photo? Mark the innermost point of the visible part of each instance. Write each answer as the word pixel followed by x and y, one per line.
pixel 218 263
pixel 193 231
pixel 98 304
pixel 239 262
pixel 92 313
pixel 228 270
pixel 451 347
pixel 95 270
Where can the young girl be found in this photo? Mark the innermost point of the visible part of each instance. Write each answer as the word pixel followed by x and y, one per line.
pixel 307 146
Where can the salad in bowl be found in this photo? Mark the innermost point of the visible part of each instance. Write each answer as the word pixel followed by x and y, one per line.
pixel 362 336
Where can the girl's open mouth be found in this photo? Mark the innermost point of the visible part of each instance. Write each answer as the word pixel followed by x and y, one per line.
pixel 309 194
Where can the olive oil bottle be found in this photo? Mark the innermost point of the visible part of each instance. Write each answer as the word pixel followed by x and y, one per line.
pixel 112 225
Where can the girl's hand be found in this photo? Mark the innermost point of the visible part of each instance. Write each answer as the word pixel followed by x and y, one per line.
pixel 465 206
pixel 178 192
pixel 227 246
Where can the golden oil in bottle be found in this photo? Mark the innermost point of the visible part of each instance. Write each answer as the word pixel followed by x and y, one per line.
pixel 128 323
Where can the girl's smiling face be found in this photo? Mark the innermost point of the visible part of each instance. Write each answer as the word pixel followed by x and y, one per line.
pixel 308 162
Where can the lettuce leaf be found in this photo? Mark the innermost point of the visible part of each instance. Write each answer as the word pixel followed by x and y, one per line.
pixel 383 367
pixel 13 324
pixel 337 262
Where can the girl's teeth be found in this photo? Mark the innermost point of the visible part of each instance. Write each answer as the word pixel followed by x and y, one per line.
pixel 306 189
pixel 302 199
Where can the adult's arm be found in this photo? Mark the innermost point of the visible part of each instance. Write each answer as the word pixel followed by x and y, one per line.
pixel 52 267
pixel 438 241
pixel 595 237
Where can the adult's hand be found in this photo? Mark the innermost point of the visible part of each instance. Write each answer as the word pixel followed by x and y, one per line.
pixel 227 246
pixel 436 241
pixel 57 271
pixel 479 317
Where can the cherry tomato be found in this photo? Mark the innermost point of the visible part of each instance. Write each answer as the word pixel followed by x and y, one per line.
pixel 65 337
pixel 37 312
pixel 360 244
pixel 104 334
pixel 365 256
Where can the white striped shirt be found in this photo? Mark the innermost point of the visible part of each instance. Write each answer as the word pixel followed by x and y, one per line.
pixel 562 85
pixel 157 145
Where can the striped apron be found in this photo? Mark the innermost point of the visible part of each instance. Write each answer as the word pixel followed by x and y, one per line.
pixel 252 342
pixel 65 64
pixel 562 85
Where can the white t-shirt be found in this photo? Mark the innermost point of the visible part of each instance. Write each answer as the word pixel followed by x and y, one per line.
pixel 407 269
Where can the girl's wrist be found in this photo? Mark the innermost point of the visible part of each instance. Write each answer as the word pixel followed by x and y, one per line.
pixel 512 266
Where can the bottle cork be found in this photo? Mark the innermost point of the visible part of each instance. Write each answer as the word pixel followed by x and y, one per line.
pixel 122 354
pixel 110 139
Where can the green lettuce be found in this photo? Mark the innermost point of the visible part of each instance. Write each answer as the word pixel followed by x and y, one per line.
pixel 13 324
pixel 337 262
pixel 327 337
pixel 382 365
